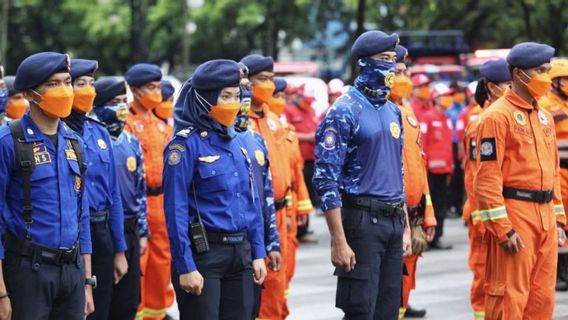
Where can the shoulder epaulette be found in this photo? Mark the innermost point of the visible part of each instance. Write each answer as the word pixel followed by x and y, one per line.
pixel 96 121
pixel 186 132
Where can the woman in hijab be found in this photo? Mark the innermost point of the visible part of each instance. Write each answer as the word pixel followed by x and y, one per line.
pixel 212 206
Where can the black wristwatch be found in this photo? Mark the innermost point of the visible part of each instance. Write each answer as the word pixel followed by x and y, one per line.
pixel 92 281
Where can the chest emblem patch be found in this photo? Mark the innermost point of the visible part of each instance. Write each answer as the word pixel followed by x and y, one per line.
pixel 411 121
pixel 542 118
pixel 131 164
pixel 102 144
pixel 259 155
pixel 519 118
pixel 395 130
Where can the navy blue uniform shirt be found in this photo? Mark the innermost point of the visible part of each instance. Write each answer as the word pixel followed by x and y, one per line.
pixel 219 170
pixel 101 183
pixel 58 221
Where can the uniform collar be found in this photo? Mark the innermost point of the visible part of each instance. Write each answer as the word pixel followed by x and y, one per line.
pixel 33 134
pixel 218 140
pixel 517 101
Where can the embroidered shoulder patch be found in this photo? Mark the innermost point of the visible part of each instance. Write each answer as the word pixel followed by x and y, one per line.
pixel 487 150
pixel 174 158
pixel 329 139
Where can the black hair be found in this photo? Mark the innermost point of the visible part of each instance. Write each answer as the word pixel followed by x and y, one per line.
pixel 481 92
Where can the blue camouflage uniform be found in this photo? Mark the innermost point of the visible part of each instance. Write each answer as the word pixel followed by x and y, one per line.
pixel 358 151
pixel 358 168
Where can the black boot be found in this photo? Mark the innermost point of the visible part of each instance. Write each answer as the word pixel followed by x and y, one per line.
pixel 414 313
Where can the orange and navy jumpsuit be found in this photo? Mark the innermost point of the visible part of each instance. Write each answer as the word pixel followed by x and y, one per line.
pixel 299 205
pixel 518 174
pixel 273 295
pixel 156 291
pixel 416 187
pixel 476 231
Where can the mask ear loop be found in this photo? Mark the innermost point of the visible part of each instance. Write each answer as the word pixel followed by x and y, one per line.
pixel 203 103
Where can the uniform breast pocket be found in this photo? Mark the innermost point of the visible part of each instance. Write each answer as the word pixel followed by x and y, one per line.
pixel 74 178
pixel 104 157
pixel 213 177
pixel 43 179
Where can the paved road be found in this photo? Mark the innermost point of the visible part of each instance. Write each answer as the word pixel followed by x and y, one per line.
pixel 442 283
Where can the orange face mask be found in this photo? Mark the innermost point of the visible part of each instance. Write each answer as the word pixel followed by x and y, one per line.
pixel 83 99
pixel 423 93
pixel 446 101
pixel 57 102
pixel 263 92
pixel 150 100
pixel 165 110
pixel 277 105
pixel 459 98
pixel 539 85
pixel 225 113
pixel 402 87
pixel 16 108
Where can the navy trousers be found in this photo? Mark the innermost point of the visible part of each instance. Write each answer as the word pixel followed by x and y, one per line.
pixel 39 290
pixel 372 291
pixel 102 266
pixel 126 293
pixel 228 287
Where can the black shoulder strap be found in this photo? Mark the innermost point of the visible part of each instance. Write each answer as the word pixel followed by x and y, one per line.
pixel 25 159
pixel 82 167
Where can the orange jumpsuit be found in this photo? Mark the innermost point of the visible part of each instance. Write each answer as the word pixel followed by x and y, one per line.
pixel 476 231
pixel 416 186
pixel 299 205
pixel 156 291
pixel 559 110
pixel 273 295
pixel 517 149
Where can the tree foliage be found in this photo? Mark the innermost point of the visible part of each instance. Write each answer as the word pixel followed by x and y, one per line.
pixel 104 29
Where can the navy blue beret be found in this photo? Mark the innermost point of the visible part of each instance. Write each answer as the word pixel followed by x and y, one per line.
pixel 257 63
pixel 495 70
pixel 9 80
pixel 107 88
pixel 401 53
pixel 142 73
pixel 216 75
pixel 526 55
pixel 37 68
pixel 280 85
pixel 373 42
pixel 83 67
pixel 167 90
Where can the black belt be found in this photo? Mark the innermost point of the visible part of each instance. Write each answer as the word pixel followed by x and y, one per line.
pixel 154 191
pixel 29 249
pixel 564 163
pixel 130 224
pixel 374 205
pixel 99 217
pixel 538 196
pixel 226 238
pixel 279 204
